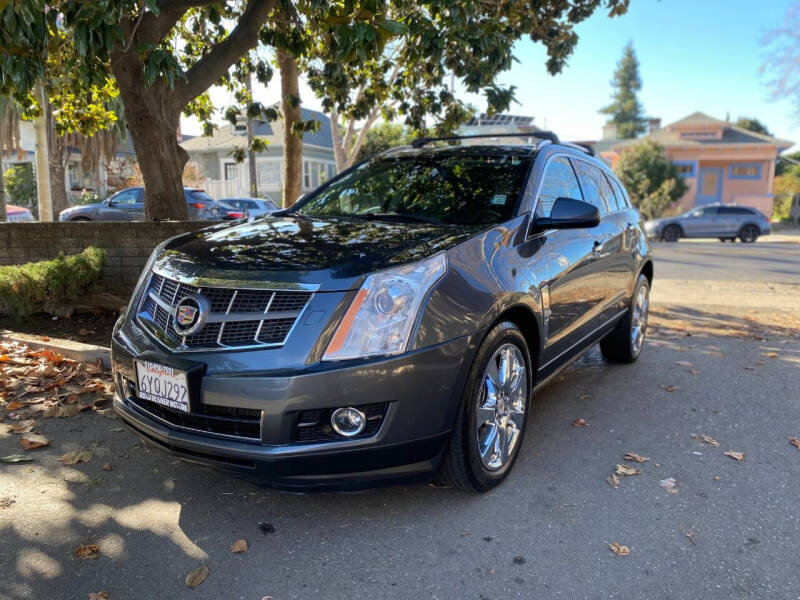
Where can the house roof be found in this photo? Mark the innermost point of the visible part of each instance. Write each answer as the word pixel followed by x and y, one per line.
pixel 670 136
pixel 224 137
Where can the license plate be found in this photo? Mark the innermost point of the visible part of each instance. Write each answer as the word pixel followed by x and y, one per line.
pixel 162 384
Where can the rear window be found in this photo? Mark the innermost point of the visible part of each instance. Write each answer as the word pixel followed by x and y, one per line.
pixel 198 196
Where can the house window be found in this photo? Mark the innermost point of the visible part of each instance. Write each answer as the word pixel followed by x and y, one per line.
pixel 744 171
pixel 306 175
pixel 231 171
pixel 686 168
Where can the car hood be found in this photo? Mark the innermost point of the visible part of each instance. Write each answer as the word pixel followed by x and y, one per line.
pixel 333 253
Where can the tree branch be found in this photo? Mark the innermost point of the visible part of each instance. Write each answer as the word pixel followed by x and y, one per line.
pixel 209 69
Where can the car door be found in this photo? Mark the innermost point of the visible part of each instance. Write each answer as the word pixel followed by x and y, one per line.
pixel 571 295
pixel 622 265
pixel 121 206
pixel 702 222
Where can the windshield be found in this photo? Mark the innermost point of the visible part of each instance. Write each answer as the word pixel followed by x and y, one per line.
pixel 441 188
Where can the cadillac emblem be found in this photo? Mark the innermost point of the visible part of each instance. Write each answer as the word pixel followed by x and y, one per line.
pixel 191 314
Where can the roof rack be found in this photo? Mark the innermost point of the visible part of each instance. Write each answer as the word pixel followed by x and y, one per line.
pixel 542 135
pixel 580 146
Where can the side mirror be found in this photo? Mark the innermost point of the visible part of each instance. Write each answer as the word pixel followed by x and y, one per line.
pixel 568 213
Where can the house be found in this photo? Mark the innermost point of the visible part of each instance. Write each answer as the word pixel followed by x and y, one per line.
pixel 719 161
pixel 228 178
pixel 484 124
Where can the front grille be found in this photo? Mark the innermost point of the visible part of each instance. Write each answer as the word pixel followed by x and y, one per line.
pixel 239 317
pixel 223 420
pixel 315 425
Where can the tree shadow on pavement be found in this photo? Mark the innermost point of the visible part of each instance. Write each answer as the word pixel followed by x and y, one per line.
pixel 689 321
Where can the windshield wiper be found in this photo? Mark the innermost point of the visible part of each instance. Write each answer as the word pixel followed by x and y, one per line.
pixel 416 218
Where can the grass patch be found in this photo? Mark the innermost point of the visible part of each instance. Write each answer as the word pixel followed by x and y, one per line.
pixel 34 287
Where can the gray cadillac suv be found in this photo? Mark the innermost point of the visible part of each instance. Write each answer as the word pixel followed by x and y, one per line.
pixel 390 326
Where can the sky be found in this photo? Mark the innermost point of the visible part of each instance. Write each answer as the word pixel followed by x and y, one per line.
pixel 694 55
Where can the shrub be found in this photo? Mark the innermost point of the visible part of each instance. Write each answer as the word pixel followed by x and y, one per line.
pixel 21 185
pixel 34 287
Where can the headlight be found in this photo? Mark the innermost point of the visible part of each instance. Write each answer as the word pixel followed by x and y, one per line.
pixel 383 313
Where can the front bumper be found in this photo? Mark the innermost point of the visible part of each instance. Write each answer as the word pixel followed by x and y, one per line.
pixel 422 390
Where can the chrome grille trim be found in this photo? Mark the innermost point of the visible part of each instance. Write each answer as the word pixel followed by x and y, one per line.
pixel 237 320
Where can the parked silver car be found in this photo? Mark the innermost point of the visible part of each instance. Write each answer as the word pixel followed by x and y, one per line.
pixel 723 221
pixel 254 207
pixel 128 205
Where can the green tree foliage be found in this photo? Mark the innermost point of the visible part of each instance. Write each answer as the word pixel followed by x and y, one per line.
pixel 651 179
pixel 786 162
pixel 20 185
pixel 383 136
pixel 625 110
pixel 752 124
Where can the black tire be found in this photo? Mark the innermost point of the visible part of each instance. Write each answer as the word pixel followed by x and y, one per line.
pixel 462 465
pixel 671 233
pixel 749 234
pixel 79 220
pixel 723 240
pixel 619 346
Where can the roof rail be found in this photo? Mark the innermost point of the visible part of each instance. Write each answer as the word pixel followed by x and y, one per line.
pixel 580 146
pixel 542 135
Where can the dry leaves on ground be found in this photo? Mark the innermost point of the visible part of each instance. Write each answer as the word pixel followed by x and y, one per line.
pixel 87 551
pixel 671 388
pixel 99 596
pixel 670 485
pixel 684 363
pixel 619 549
pixel 198 576
pixel 239 546
pixel 705 439
pixel 794 442
pixel 635 457
pixel 735 455
pixel 771 355
pixel 579 423
pixel 23 426
pixel 107 467
pixel 613 480
pixel 626 470
pixel 16 458
pixel 71 458
pixel 33 441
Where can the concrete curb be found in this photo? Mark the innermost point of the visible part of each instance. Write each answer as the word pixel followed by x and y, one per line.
pixel 79 351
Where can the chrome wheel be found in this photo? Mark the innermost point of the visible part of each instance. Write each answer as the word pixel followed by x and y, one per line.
pixel 501 407
pixel 639 319
pixel 749 234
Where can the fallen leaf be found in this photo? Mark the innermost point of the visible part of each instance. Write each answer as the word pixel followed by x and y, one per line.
pixel 31 442
pixel 198 576
pixel 17 458
pixel 684 363
pixel 14 405
pixel 635 457
pixel 626 470
pixel 670 485
pixel 71 458
pixel 579 423
pixel 794 442
pixel 706 439
pixel 239 546
pixel 735 455
pixel 87 551
pixel 619 549
pixel 83 331
pixel 99 596
pixel 107 467
pixel 72 398
pixel 23 426
pixel 694 371
pixel 671 388
pixel 613 480
pixel 108 413
pixel 771 355
pixel 519 560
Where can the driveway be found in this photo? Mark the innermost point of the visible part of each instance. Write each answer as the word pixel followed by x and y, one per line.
pixel 730 531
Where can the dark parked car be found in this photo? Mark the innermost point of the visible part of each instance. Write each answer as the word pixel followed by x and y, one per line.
pixel 255 207
pixel 128 205
pixel 391 325
pixel 723 221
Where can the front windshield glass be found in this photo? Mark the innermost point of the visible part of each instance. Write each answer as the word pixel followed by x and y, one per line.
pixel 463 188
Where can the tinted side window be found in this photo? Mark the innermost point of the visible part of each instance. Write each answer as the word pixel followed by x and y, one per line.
pixel 559 181
pixel 130 196
pixel 595 186
pixel 735 210
pixel 622 198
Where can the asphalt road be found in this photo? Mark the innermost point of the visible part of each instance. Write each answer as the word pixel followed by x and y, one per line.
pixel 764 261
pixel 731 531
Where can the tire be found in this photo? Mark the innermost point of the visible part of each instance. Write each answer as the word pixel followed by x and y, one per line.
pixel 464 465
pixel 625 342
pixel 671 233
pixel 749 234
pixel 79 220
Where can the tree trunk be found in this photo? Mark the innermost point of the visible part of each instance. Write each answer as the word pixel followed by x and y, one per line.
pixel 58 183
pixel 3 212
pixel 153 119
pixel 251 156
pixel 44 199
pixel 338 148
pixel 292 142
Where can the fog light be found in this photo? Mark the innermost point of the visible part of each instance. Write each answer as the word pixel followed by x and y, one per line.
pixel 348 421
